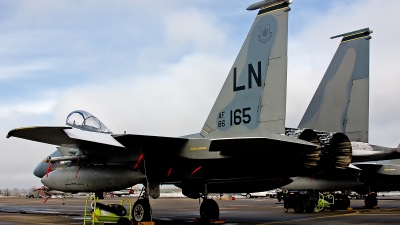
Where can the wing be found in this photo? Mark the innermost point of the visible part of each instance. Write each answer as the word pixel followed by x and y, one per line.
pixel 68 137
pixel 377 155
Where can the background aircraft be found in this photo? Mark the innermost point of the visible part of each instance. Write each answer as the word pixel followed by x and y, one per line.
pixel 341 104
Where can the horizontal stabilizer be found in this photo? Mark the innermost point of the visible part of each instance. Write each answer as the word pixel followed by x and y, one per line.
pixel 381 168
pixel 269 144
pixel 68 137
pixel 353 167
pixel 394 154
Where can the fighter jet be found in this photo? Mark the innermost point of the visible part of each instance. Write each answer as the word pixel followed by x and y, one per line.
pixel 239 149
pixel 341 104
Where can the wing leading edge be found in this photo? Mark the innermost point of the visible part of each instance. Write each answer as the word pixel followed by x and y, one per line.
pixel 67 137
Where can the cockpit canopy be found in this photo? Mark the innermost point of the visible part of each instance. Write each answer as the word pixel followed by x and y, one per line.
pixel 85 121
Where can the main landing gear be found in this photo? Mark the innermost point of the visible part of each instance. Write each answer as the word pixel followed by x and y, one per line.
pixel 141 209
pixel 371 201
pixel 209 209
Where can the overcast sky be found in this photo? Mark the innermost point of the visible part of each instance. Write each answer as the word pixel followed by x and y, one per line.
pixel 156 67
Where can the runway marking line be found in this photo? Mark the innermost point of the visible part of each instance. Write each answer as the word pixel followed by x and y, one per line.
pixel 331 216
pixel 315 218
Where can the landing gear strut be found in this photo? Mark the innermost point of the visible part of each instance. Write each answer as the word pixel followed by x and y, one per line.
pixel 370 201
pixel 209 209
pixel 141 208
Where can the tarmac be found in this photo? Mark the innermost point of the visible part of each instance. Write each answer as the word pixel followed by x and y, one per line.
pixel 19 210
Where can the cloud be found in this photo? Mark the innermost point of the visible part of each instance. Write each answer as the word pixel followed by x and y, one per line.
pixel 152 104
pixel 21 71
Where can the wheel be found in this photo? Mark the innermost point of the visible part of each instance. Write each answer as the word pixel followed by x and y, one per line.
pixel 141 210
pixel 370 201
pixel 286 210
pixel 124 221
pixel 248 195
pixel 209 210
pixel 117 209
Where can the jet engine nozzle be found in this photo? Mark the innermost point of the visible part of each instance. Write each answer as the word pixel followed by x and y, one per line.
pixel 310 157
pixel 337 150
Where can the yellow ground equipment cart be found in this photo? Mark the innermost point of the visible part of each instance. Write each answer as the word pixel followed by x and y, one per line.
pixel 101 213
pixel 325 201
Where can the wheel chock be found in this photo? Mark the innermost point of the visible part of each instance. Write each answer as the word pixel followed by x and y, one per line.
pixel 217 221
pixel 376 207
pixel 349 208
pixel 227 197
pixel 146 223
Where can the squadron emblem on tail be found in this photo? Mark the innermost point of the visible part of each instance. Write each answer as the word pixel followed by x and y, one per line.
pixel 265 33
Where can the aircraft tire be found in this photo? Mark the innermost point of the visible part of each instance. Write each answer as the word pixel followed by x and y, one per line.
pixel 370 202
pixel 209 210
pixel 142 210
pixel 119 210
pixel 248 195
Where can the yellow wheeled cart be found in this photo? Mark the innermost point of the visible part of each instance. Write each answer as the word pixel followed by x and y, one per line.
pixel 101 213
pixel 325 201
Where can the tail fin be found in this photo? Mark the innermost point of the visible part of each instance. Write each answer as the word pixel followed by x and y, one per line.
pixel 341 102
pixel 252 101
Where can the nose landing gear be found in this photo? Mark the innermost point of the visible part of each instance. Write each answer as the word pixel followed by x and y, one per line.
pixel 371 201
pixel 209 210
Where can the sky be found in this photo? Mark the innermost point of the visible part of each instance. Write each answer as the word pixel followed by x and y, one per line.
pixel 156 67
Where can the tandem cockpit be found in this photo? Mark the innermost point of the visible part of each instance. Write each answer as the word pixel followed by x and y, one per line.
pixel 78 119
pixel 83 120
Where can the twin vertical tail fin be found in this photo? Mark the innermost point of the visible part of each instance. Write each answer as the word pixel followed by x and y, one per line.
pixel 341 102
pixel 252 101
